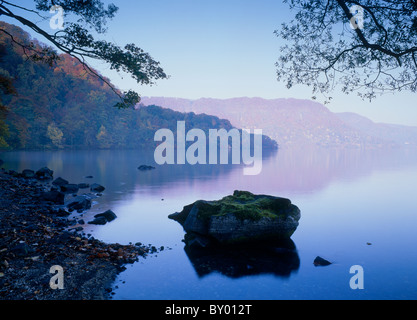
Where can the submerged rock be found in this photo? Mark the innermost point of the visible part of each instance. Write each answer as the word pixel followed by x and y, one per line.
pixel 242 217
pixel 145 168
pixel 99 221
pixel 95 187
pixel 320 262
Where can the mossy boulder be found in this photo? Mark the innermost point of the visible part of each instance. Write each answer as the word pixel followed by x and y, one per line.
pixel 241 217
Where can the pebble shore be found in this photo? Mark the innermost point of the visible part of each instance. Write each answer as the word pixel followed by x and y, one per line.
pixel 36 235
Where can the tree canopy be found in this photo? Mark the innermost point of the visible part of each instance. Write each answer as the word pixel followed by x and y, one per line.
pixel 364 46
pixel 76 39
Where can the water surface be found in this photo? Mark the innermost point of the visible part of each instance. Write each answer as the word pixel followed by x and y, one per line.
pixel 348 198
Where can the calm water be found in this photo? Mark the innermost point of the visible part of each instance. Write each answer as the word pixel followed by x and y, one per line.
pixel 347 198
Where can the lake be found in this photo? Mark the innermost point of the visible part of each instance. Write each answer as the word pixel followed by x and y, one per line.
pixel 358 207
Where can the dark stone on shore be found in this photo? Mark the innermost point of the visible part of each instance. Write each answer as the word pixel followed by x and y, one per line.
pixel 146 168
pixel 83 185
pixel 99 221
pixel 95 187
pixel 242 217
pixel 13 173
pixel 320 262
pixel 44 174
pixel 60 182
pixel 29 174
pixel 89 177
pixel 109 215
pixel 54 196
pixel 103 218
pixel 80 203
pixel 59 212
pixel 70 188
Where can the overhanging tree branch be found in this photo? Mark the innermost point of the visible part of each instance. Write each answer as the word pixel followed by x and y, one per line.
pixel 380 57
pixel 77 42
pixel 366 43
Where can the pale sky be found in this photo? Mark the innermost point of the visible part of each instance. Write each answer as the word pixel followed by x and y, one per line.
pixel 224 49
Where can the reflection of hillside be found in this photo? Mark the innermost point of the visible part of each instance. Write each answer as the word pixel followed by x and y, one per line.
pixel 279 259
pixel 117 170
pixel 307 170
pixel 290 170
pixel 310 169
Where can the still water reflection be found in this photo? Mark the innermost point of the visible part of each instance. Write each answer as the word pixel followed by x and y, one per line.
pixel 278 259
pixel 348 198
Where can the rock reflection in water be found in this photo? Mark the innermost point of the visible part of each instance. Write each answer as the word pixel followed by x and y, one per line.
pixel 278 258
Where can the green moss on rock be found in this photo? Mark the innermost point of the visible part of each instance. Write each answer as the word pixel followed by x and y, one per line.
pixel 241 216
pixel 244 206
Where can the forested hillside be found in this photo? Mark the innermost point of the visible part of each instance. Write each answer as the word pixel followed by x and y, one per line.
pixel 62 106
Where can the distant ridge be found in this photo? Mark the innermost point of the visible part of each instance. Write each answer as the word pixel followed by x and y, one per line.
pixel 398 134
pixel 295 121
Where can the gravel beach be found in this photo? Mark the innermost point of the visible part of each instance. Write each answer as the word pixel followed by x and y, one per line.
pixel 36 235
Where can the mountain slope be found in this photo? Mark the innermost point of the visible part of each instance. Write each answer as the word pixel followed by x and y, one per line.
pixel 398 134
pixel 64 107
pixel 287 121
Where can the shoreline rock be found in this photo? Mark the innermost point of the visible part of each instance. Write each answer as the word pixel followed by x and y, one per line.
pixel 54 196
pixel 95 187
pixel 44 174
pixel 27 173
pixel 70 188
pixel 79 203
pixel 60 182
pixel 103 218
pixel 242 217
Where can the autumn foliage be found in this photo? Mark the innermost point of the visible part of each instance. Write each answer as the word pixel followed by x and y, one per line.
pixel 61 105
